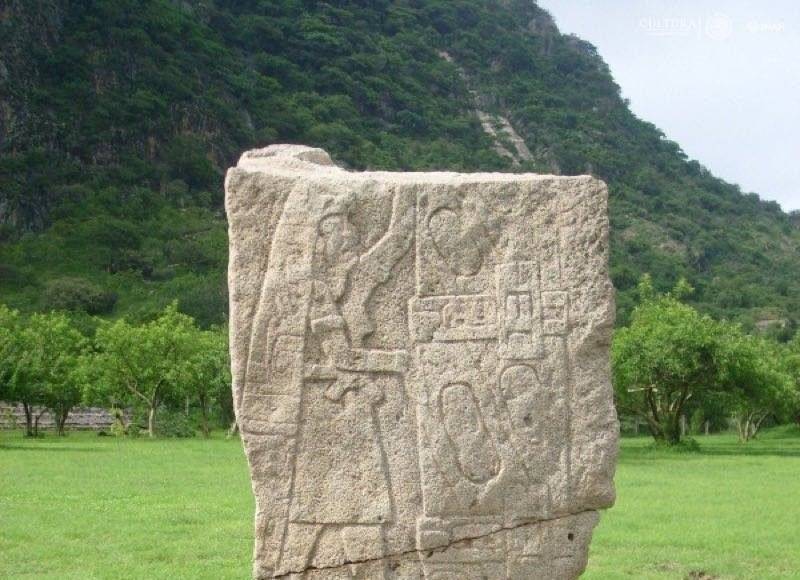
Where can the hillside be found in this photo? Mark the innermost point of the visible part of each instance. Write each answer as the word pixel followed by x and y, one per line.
pixel 119 117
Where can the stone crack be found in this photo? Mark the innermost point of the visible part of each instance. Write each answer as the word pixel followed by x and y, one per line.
pixel 430 551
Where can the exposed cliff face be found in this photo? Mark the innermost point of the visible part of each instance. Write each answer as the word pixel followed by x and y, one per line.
pixel 126 112
pixel 507 142
pixel 29 30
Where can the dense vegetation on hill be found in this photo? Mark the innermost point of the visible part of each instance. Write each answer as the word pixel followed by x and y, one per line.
pixel 119 117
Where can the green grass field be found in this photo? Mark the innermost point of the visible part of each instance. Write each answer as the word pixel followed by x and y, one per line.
pixel 90 507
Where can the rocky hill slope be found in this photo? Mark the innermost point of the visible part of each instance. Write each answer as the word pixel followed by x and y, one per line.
pixel 119 117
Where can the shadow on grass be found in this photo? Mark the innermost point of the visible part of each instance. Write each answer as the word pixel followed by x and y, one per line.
pixel 778 442
pixel 748 449
pixel 5 446
pixel 650 455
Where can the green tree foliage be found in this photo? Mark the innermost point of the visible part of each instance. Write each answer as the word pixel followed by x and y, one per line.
pixel 144 365
pixel 669 354
pixel 119 117
pixel 77 295
pixel 56 351
pixel 10 352
pixel 209 381
pixel 672 361
pixel 41 357
pixel 760 383
pixel 52 362
pixel 792 359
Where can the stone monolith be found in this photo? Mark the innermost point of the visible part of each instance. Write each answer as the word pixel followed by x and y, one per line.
pixel 421 368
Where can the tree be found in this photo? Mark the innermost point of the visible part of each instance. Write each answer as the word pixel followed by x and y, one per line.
pixel 708 413
pixel 145 364
pixel 210 372
pixel 40 362
pixel 760 382
pixel 792 361
pixel 56 350
pixel 10 352
pixel 77 295
pixel 669 354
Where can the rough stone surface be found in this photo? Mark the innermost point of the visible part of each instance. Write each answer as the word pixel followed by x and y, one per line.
pixel 421 368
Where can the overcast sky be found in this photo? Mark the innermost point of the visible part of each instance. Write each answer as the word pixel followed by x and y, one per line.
pixel 722 78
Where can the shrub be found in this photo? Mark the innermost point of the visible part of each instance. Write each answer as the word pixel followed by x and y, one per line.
pixel 78 295
pixel 173 423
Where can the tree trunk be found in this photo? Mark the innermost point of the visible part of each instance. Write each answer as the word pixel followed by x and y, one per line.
pixel 656 431
pixel 36 422
pixel 747 426
pixel 672 430
pixel 204 417
pixel 757 425
pixel 204 425
pixel 653 423
pixel 742 427
pixel 28 419
pixel 151 422
pixel 677 422
pixel 674 436
pixel 705 426
pixel 61 420
pixel 234 429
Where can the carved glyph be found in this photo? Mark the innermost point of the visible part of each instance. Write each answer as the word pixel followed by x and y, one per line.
pixel 420 368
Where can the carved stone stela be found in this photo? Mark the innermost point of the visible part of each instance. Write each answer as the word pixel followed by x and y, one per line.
pixel 421 368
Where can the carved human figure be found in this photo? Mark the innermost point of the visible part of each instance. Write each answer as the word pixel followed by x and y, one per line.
pixel 341 492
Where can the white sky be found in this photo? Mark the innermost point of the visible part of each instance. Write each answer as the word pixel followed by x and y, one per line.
pixel 721 78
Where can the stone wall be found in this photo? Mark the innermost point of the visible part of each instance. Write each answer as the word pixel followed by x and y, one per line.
pixel 97 418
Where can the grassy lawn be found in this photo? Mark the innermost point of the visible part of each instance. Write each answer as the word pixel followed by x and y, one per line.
pixel 730 511
pixel 101 507
pixel 91 507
